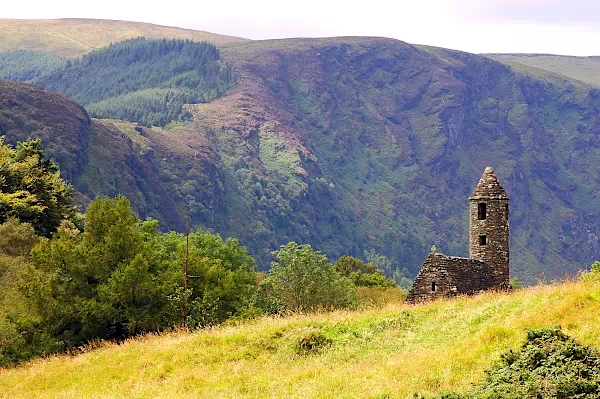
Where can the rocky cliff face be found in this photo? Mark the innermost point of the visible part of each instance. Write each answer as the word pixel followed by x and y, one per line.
pixel 359 143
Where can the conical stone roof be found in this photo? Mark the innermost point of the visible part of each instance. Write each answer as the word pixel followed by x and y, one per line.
pixel 489 186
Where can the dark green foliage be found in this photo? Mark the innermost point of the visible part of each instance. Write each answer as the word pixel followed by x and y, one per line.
pixel 549 365
pixel 16 240
pixel 362 274
pixel 24 65
pixel 122 277
pixel 144 81
pixel 303 280
pixel 31 188
pixel 223 278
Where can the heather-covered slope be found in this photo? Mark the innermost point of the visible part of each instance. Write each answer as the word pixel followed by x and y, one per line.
pixel 358 143
pixel 378 143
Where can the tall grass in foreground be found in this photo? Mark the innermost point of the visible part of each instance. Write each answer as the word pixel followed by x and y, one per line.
pixel 384 353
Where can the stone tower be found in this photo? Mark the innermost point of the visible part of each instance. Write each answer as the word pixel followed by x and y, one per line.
pixel 488 222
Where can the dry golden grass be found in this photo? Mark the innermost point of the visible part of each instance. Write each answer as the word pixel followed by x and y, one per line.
pixel 74 37
pixel 583 69
pixel 378 353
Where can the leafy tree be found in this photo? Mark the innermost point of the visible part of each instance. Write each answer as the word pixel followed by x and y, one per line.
pixel 400 276
pixel 31 188
pixel 362 274
pixel 16 238
pixel 121 277
pixel 223 278
pixel 303 280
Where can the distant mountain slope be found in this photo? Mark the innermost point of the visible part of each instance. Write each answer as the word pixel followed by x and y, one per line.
pixel 141 80
pixel 74 37
pixel 353 144
pixel 379 143
pixel 584 69
pixel 93 154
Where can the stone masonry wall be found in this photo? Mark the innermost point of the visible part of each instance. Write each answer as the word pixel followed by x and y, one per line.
pixel 452 276
pixel 496 229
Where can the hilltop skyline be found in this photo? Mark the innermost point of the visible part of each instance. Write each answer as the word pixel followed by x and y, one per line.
pixel 489 26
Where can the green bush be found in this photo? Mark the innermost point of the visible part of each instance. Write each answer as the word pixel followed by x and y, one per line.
pixel 550 364
pixel 362 274
pixel 122 277
pixel 593 274
pixel 303 280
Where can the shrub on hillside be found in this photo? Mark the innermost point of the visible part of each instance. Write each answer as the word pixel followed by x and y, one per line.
pixel 550 364
pixel 593 274
pixel 303 280
pixel 362 274
pixel 122 277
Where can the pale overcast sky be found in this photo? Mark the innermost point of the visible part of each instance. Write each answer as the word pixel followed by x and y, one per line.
pixel 534 26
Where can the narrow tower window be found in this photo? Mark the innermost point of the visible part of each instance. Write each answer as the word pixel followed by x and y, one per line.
pixel 433 286
pixel 482 211
pixel 483 240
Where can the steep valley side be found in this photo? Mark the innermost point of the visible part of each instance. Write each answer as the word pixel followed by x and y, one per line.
pixel 351 144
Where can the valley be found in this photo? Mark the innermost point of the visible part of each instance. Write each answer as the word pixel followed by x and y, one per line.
pixel 353 144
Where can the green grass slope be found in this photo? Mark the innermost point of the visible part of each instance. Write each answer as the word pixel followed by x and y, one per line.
pixel 583 69
pixel 75 37
pixel 388 353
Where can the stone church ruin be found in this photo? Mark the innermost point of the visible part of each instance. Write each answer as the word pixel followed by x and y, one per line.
pixel 487 267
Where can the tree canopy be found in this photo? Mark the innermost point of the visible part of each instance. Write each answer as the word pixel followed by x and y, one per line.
pixel 303 280
pixel 141 80
pixel 31 188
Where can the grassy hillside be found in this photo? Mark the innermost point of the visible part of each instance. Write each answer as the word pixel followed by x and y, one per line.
pixel 75 37
pixel 387 353
pixel 583 69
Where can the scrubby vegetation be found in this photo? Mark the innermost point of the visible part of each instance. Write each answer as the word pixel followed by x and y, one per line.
pixel 140 80
pixel 120 276
pixel 550 364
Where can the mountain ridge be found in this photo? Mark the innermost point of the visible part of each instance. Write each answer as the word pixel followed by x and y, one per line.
pixel 353 144
pixel 73 37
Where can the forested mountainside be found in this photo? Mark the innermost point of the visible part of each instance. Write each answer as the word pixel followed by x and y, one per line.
pixel 138 80
pixel 353 144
